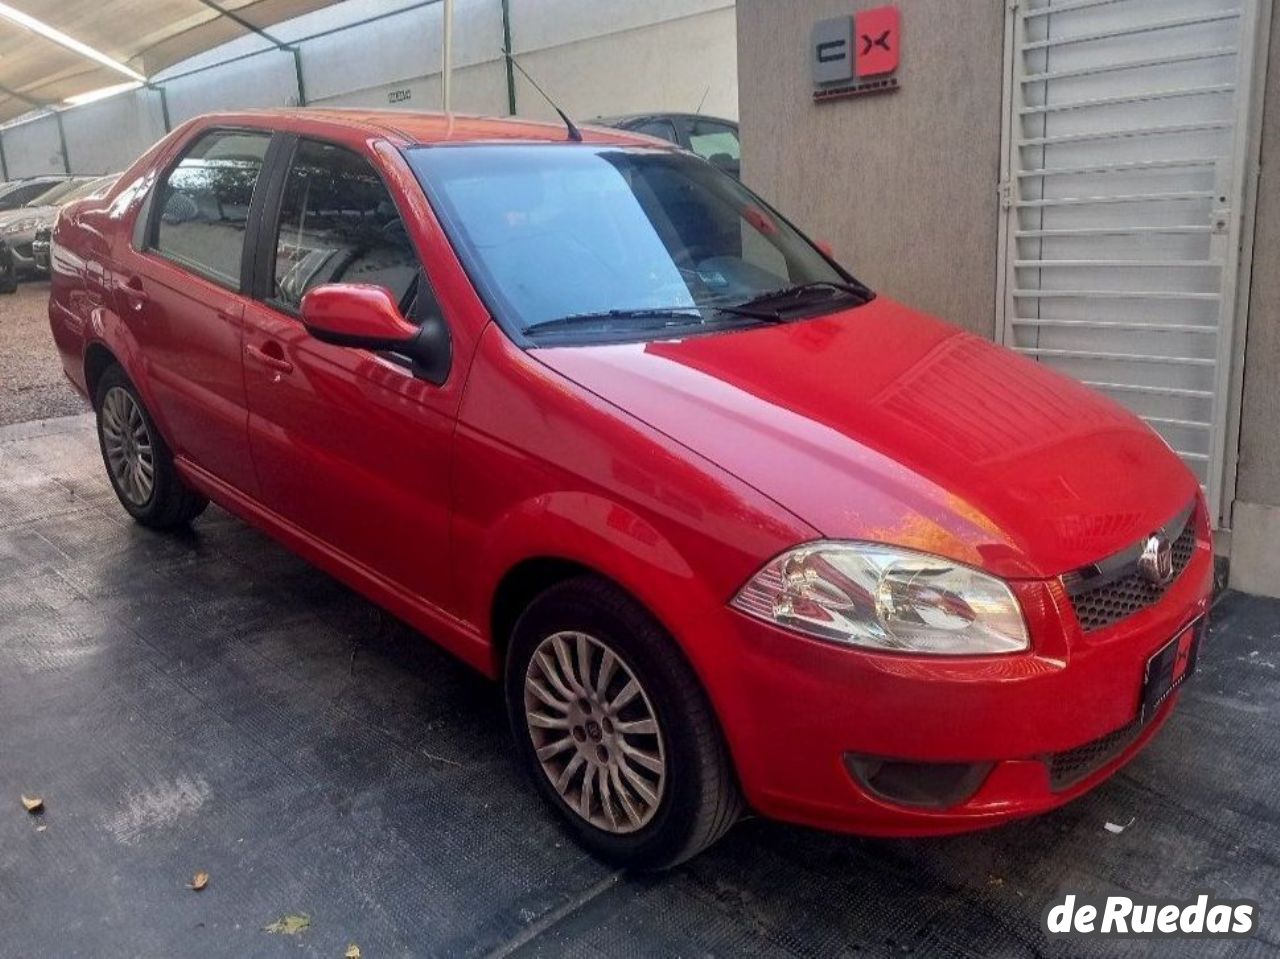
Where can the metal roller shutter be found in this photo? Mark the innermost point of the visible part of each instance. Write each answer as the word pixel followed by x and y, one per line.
pixel 1125 137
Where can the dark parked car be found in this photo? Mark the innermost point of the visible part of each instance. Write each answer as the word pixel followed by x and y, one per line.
pixel 8 278
pixel 40 249
pixel 20 228
pixel 709 137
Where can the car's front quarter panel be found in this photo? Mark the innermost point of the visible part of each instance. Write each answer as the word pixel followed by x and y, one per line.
pixel 547 470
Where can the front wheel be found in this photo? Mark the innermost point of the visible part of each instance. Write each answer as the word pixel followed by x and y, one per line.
pixel 139 462
pixel 615 729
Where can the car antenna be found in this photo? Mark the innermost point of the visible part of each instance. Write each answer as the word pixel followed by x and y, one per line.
pixel 698 112
pixel 574 133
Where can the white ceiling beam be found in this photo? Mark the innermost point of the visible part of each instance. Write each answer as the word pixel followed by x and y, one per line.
pixel 55 35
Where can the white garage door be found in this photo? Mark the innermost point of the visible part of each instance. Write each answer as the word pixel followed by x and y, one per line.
pixel 1125 136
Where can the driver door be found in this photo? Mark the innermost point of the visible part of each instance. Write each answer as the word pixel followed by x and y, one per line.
pixel 348 445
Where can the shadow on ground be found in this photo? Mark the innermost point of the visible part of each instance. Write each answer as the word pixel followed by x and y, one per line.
pixel 210 703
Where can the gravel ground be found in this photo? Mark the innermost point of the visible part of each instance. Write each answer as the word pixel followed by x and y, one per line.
pixel 32 386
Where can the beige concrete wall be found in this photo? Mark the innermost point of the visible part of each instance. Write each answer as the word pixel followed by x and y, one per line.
pixel 1255 519
pixel 1258 474
pixel 903 184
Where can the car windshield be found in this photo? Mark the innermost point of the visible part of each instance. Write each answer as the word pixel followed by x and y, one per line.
pixel 87 189
pixel 621 241
pixel 56 193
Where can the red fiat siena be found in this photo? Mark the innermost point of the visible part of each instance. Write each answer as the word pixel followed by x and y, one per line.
pixel 734 531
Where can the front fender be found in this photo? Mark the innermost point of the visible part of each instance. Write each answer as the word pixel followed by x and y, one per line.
pixel 600 534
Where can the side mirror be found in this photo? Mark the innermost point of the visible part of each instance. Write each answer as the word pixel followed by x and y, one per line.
pixel 367 317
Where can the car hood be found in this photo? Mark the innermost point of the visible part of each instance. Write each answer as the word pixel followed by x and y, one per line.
pixel 41 213
pixel 879 423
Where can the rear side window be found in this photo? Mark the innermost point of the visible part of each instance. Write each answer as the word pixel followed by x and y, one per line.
pixel 22 195
pixel 204 204
pixel 663 129
pixel 338 224
pixel 710 140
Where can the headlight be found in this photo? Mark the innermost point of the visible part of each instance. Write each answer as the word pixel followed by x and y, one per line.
pixel 881 597
pixel 21 226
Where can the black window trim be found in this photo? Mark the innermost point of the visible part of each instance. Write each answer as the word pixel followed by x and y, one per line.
pixel 261 267
pixel 151 211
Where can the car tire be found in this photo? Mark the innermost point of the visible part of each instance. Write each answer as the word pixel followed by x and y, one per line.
pixel 659 781
pixel 138 461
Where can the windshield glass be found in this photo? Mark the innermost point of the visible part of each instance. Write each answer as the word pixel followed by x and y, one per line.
pixel 56 193
pixel 87 189
pixel 551 232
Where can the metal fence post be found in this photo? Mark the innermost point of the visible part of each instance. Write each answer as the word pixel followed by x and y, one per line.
pixel 506 45
pixel 62 139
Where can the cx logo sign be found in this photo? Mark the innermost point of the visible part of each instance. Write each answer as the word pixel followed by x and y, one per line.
pixel 864 45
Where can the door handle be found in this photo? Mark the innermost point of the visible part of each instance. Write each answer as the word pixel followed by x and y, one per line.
pixel 270 360
pixel 131 289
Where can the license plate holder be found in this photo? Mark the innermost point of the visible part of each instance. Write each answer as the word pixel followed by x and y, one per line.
pixel 1169 667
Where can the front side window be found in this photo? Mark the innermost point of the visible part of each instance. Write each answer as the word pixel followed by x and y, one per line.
pixel 578 236
pixel 204 204
pixel 338 224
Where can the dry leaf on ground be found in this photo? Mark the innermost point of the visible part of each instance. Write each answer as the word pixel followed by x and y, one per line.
pixel 32 804
pixel 353 952
pixel 198 881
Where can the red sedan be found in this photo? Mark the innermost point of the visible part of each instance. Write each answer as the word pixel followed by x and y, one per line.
pixel 733 531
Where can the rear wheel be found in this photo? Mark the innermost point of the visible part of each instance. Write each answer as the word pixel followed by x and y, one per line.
pixel 139 462
pixel 615 729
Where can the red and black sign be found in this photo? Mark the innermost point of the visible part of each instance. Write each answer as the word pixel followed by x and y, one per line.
pixel 877 32
pixel 856 54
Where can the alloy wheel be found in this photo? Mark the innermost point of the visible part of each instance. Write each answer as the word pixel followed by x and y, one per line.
pixel 126 439
pixel 595 732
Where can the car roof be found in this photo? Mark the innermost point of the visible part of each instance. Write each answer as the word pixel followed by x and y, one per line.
pixel 662 115
pixel 421 128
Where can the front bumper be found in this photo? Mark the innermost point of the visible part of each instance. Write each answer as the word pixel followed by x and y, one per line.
pixel 24 259
pixel 795 710
pixel 40 255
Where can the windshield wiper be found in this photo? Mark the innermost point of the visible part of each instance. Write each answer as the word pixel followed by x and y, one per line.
pixel 798 290
pixel 655 313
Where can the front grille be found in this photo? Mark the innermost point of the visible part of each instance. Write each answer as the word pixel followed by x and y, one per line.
pixel 1070 767
pixel 1110 602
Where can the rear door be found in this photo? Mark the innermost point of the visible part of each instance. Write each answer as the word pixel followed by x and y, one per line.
pixel 349 445
pixel 180 295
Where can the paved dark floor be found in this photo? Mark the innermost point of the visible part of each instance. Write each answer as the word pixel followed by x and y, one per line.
pixel 210 703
